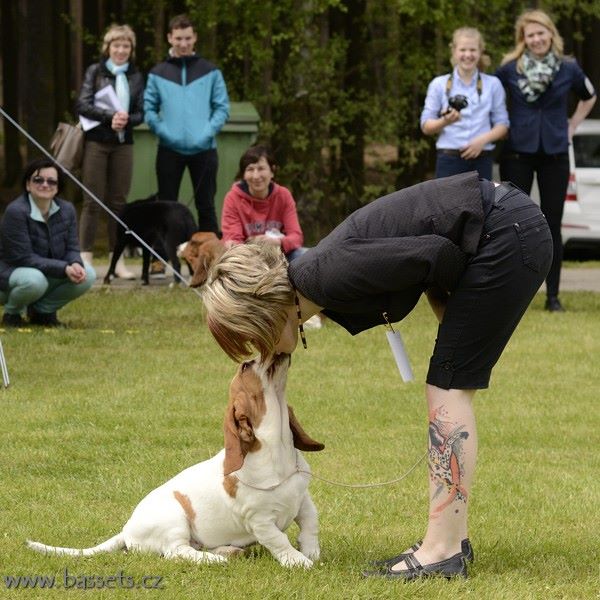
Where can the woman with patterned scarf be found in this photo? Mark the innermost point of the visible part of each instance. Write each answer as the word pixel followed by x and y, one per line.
pixel 108 154
pixel 538 79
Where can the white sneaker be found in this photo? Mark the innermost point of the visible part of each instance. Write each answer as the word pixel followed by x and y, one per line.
pixel 121 271
pixel 313 323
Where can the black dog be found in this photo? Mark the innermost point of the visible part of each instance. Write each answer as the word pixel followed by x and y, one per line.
pixel 160 224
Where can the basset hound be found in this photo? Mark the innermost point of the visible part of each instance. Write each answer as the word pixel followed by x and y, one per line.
pixel 249 492
pixel 202 249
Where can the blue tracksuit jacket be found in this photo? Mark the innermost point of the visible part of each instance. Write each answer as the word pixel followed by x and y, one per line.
pixel 186 104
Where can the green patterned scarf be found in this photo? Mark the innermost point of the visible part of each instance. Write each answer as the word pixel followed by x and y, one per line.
pixel 538 74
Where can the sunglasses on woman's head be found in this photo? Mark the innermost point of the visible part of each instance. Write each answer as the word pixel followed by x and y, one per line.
pixel 47 180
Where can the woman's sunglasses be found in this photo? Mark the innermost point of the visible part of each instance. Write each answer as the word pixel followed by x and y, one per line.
pixel 47 180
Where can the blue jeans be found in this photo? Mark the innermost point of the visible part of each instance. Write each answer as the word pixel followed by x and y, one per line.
pixel 30 287
pixel 447 165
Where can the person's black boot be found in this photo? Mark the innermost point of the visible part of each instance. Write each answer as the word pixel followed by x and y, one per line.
pixel 553 304
pixel 43 319
pixel 10 320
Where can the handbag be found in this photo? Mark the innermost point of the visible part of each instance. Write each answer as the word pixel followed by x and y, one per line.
pixel 66 145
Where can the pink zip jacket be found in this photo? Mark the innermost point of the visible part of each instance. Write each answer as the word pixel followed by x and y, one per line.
pixel 245 216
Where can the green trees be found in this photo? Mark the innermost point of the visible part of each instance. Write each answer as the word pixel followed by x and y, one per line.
pixel 339 84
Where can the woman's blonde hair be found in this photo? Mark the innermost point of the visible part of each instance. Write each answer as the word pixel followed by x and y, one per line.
pixel 118 32
pixel 470 32
pixel 246 297
pixel 538 17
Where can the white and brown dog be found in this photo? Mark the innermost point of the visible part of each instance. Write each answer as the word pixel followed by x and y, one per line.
pixel 199 252
pixel 249 492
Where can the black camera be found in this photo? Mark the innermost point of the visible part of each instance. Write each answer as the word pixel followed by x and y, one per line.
pixel 457 102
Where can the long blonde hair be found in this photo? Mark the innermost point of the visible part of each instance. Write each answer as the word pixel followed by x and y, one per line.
pixel 246 298
pixel 538 17
pixel 470 32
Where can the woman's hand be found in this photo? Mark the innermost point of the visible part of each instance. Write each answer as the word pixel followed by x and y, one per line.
pixel 434 126
pixel 75 272
pixel 473 149
pixel 449 117
pixel 120 120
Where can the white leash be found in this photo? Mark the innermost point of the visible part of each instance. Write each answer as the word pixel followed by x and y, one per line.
pixel 5 378
pixel 98 201
pixel 371 485
pixel 336 483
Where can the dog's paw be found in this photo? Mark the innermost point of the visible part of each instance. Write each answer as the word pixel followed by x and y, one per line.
pixel 228 551
pixel 293 558
pixel 311 551
pixel 190 553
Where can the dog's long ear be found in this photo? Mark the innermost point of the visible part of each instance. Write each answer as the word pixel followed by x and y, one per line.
pixel 239 433
pixel 201 267
pixel 302 440
pixel 208 252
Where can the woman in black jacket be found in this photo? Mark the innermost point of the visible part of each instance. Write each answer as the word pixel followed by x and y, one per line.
pixel 108 156
pixel 40 266
pixel 479 251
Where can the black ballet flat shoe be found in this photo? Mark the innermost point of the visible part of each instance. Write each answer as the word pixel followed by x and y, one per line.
pixel 465 547
pixel 553 304
pixel 455 566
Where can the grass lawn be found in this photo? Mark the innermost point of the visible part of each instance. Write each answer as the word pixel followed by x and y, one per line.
pixel 134 391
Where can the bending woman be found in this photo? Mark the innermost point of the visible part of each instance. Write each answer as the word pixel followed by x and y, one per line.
pixel 478 251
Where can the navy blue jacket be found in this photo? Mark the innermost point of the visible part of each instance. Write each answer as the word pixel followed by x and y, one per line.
pixel 47 246
pixel 542 126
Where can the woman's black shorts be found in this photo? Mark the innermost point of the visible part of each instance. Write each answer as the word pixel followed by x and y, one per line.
pixel 513 258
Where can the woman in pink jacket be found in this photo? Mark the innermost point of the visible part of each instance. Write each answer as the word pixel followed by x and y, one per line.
pixel 257 208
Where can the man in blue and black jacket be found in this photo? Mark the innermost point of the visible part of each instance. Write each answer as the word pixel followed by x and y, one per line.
pixel 186 105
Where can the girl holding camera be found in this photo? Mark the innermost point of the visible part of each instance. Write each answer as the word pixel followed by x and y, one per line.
pixel 466 109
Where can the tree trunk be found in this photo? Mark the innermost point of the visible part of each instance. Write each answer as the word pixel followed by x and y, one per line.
pixel 38 103
pixel 10 51
pixel 355 86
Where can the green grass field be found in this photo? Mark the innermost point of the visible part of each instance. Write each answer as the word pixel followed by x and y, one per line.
pixel 134 391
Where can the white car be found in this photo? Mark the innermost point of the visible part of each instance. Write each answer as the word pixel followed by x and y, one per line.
pixel 581 218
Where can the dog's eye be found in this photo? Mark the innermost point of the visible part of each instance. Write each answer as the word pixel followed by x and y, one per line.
pixel 247 365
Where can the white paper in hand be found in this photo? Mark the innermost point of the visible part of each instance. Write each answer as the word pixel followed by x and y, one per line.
pixel 106 99
pixel 397 346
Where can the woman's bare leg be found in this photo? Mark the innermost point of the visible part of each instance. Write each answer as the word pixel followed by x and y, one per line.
pixel 452 458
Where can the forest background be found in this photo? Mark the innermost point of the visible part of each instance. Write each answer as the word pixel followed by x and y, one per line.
pixel 338 84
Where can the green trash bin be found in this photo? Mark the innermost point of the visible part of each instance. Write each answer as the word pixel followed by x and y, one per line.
pixel 237 134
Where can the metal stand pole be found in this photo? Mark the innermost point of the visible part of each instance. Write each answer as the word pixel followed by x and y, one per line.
pixel 4 367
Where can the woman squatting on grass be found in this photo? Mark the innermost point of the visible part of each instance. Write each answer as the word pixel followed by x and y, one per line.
pixel 478 250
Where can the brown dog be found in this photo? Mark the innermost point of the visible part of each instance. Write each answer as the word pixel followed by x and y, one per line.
pixel 202 249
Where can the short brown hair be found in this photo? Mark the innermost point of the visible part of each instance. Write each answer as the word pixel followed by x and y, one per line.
pixel 253 155
pixel 246 298
pixel 180 22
